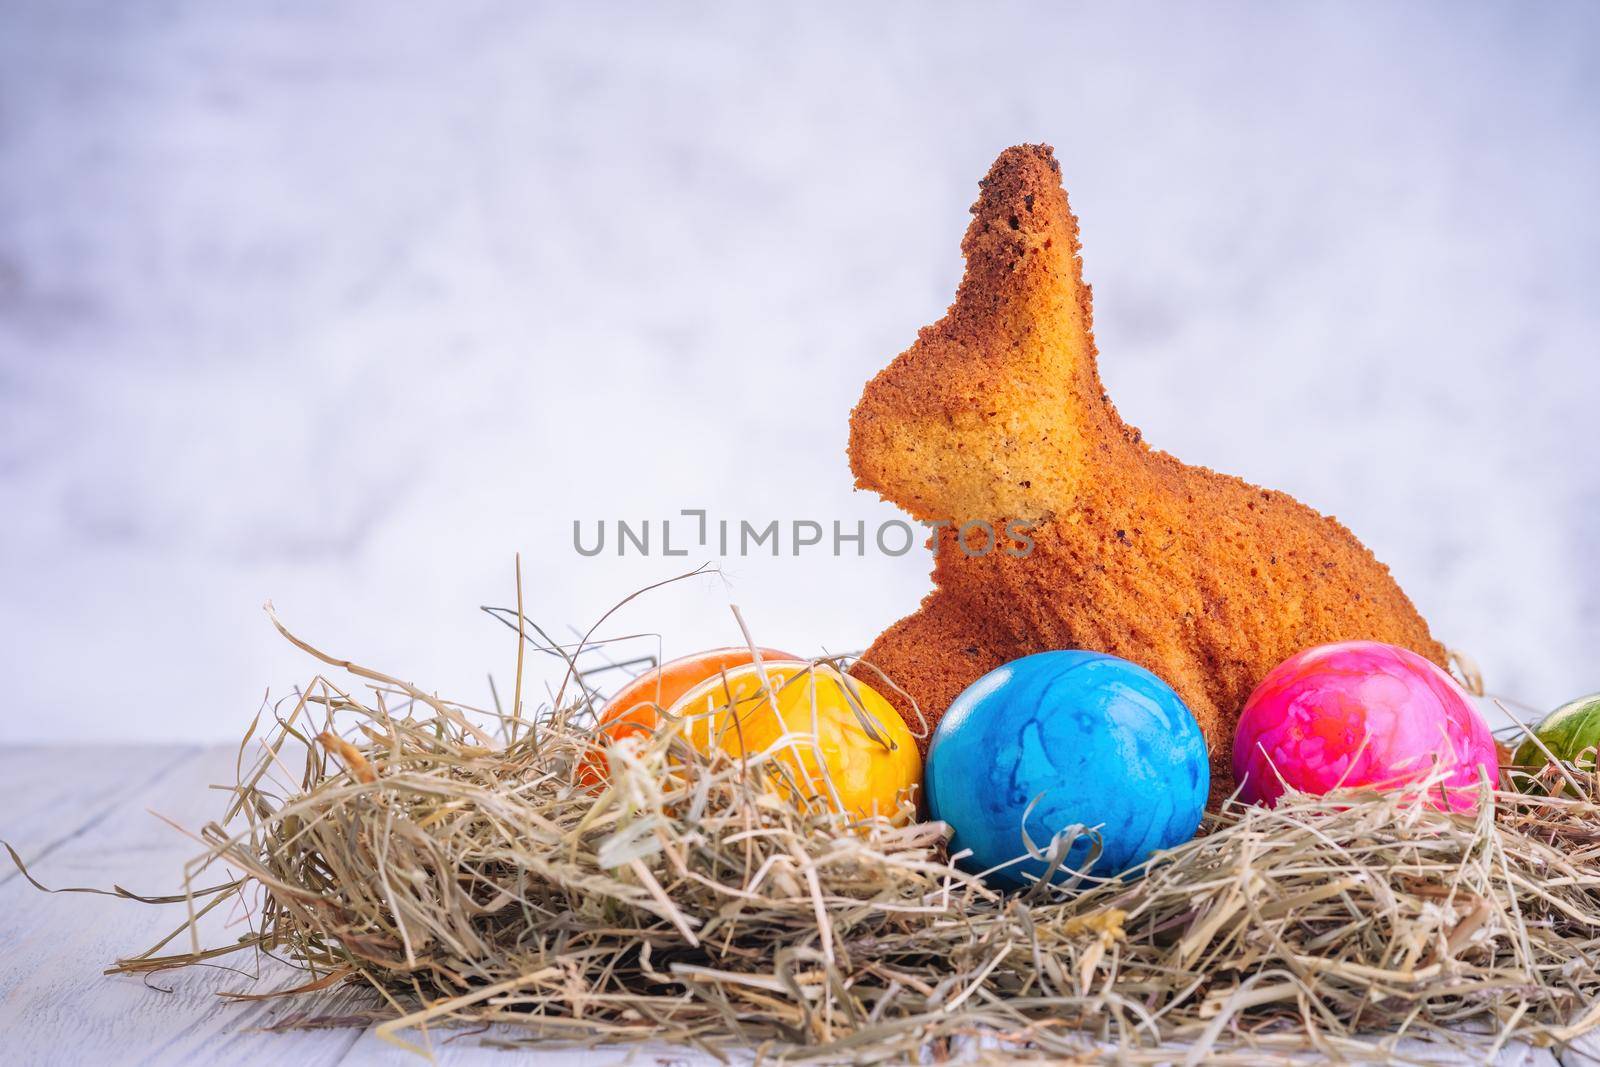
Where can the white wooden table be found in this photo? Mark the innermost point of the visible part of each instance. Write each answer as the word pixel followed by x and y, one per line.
pixel 82 817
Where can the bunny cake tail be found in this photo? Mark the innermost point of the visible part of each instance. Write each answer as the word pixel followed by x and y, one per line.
pixel 995 420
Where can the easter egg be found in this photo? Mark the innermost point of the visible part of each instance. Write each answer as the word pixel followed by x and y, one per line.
pixel 636 709
pixel 1064 738
pixel 1571 733
pixel 1360 713
pixel 832 737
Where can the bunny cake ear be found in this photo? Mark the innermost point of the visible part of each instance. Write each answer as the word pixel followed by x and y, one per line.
pixel 1022 250
pixel 997 411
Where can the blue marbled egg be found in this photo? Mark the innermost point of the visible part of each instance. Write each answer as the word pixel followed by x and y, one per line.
pixel 1100 742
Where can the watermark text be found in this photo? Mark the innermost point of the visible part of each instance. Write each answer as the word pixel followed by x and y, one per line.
pixel 693 530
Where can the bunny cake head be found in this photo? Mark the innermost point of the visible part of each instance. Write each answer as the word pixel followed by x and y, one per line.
pixel 996 410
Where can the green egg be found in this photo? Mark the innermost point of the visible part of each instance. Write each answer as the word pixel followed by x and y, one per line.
pixel 1571 733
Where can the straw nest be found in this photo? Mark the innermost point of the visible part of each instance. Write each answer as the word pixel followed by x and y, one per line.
pixel 461 875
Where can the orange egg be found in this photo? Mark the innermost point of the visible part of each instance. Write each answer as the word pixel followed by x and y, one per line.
pixel 636 710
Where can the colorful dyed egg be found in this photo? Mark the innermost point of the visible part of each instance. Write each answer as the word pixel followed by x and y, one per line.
pixel 868 759
pixel 1360 713
pixel 1064 738
pixel 636 710
pixel 1571 733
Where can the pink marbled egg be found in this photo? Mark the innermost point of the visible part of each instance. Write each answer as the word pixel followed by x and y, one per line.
pixel 1359 713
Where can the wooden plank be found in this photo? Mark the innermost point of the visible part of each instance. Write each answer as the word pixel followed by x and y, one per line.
pixel 470 1048
pixel 55 1005
pixel 48 794
pixel 1585 1052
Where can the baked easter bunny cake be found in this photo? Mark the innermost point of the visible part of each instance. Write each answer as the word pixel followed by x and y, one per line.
pixel 997 414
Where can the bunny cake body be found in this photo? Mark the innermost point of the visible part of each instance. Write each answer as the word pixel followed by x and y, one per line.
pixel 997 414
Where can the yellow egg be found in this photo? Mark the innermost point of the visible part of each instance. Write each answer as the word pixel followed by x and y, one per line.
pixel 869 759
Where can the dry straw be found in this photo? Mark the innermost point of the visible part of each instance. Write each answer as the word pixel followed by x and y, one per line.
pixel 462 876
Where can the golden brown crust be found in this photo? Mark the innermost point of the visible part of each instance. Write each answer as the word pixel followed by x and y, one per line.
pixel 997 413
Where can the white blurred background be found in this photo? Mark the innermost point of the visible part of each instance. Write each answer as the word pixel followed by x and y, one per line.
pixel 345 309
